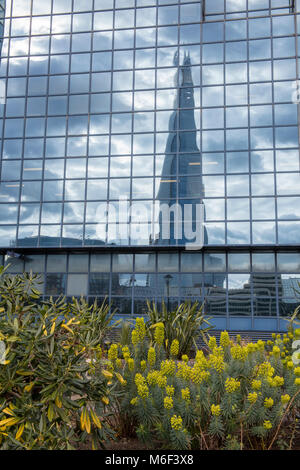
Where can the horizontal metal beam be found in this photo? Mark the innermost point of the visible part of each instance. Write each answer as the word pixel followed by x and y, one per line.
pixel 152 249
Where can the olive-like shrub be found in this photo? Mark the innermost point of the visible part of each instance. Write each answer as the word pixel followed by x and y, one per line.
pixel 50 396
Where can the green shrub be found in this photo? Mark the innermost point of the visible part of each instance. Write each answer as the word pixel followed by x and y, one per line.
pixel 239 396
pixel 186 323
pixel 50 395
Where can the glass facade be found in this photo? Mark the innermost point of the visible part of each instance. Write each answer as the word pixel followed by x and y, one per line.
pixel 159 103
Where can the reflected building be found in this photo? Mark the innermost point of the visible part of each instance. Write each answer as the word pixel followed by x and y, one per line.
pixel 181 179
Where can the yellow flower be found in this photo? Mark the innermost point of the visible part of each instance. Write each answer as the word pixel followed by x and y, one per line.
pixel 139 380
pixel 176 422
pixel 297 381
pixel 277 381
pixel 170 390
pixel 285 399
pixel 125 352
pixel 231 385
pixel 297 333
pixel 267 424
pixel 265 370
pixel 152 377
pixel 168 403
pixel 140 328
pixel 185 358
pixel 268 403
pixel 276 351
pixel 201 359
pixel 217 362
pixel 113 352
pixel 198 375
pixel 135 338
pixel 224 339
pixel 174 350
pixel 151 357
pixel 183 371
pixel 297 371
pixel 212 342
pixel 215 410
pixel 186 394
pixel 130 363
pixel 168 367
pixel 252 397
pixel 251 348
pixel 290 365
pixel 159 333
pixel 161 381
pixel 143 365
pixel 134 401
pixel 238 352
pixel 143 390
pixel 260 345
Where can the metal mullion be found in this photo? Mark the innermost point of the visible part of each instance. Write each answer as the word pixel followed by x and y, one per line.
pixel 45 134
pixel 66 137
pixel 88 132
pixel 110 124
pixel 24 123
pixel 131 159
pixel 274 130
pixel 178 109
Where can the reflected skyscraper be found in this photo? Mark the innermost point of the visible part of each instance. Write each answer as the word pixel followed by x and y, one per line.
pixel 181 180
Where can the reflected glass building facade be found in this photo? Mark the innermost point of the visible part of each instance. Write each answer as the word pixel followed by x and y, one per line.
pixel 159 103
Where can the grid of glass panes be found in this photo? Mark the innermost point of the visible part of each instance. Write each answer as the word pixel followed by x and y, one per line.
pixel 237 287
pixel 94 80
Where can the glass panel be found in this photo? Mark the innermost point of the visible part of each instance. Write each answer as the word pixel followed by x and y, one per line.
pixel 144 263
pixel 168 262
pixel 78 263
pixel 214 262
pixel 288 262
pixel 99 284
pixel 122 263
pixel 77 284
pixel 263 262
pixel 36 264
pixel 56 284
pixel 57 263
pixel 239 262
pixel 100 263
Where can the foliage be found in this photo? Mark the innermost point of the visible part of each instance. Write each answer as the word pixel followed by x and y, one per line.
pixel 238 396
pixel 185 324
pixel 50 395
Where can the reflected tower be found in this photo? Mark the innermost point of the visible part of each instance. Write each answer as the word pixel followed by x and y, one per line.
pixel 181 180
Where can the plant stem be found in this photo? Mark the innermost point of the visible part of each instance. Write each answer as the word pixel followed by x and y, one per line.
pixel 283 416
